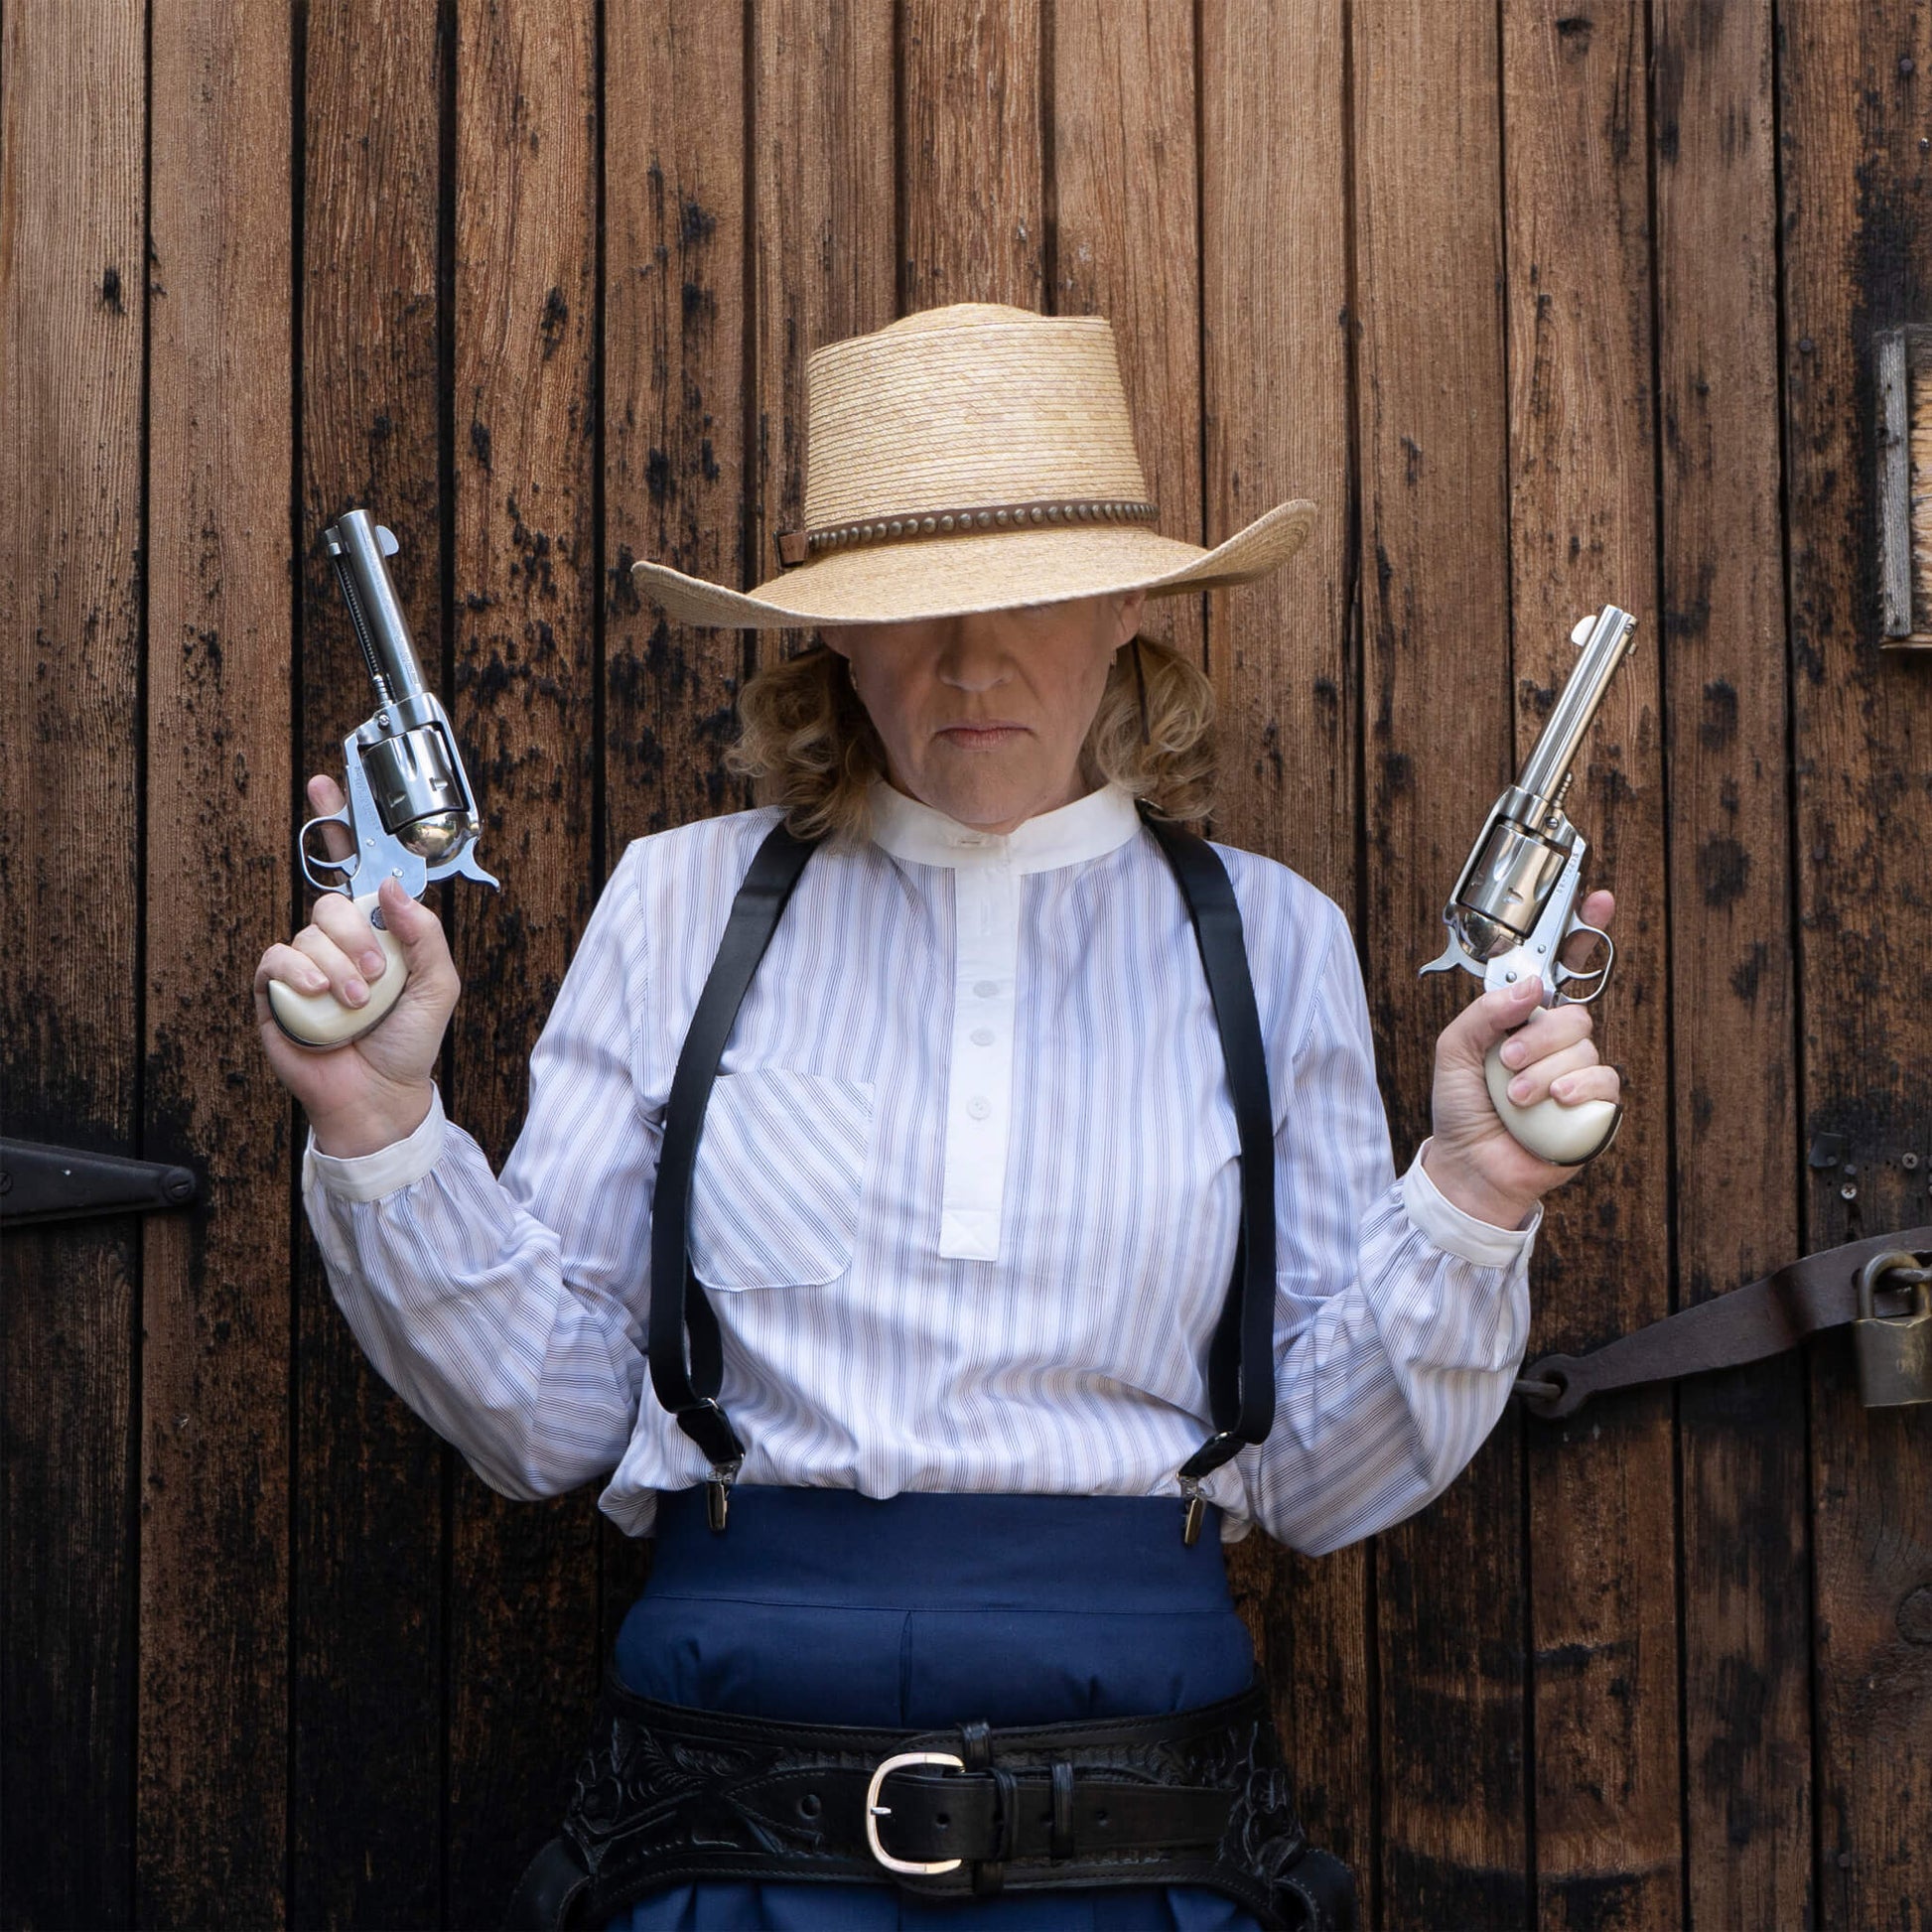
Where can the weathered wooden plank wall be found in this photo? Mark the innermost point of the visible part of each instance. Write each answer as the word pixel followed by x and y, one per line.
pixel 72 147
pixel 1544 306
pixel 371 1614
pixel 1856 198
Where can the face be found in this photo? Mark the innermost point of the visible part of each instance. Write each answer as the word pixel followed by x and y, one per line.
pixel 983 717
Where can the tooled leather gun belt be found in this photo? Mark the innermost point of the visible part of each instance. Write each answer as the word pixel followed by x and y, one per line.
pixel 669 1793
pixel 1762 1318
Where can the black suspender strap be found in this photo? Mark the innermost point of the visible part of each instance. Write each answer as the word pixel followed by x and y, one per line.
pixel 687 1384
pixel 1241 1355
pixel 684 1343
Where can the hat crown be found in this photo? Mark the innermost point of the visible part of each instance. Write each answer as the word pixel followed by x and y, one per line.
pixel 971 405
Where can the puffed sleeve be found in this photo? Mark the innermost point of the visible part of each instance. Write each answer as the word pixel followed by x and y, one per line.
pixel 508 1312
pixel 1400 1319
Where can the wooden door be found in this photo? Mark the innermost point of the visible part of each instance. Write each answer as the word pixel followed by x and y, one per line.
pixel 1543 307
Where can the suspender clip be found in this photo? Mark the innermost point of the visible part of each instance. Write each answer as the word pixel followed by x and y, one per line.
pixel 1195 1512
pixel 717 1491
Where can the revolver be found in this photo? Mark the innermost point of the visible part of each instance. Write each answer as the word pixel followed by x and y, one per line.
pixel 410 812
pixel 1515 905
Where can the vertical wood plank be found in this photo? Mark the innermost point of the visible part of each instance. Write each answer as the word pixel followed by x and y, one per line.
pixel 1747 1747
pixel 1275 327
pixel 214 1725
pixel 674 402
pixel 825 241
pixel 1273 320
pixel 1582 477
pixel 1436 751
pixel 72 134
pixel 975 224
pixel 523 1614
pixel 368 1757
pixel 1857 207
pixel 1127 243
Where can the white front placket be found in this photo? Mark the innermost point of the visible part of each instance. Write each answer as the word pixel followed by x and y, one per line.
pixel 987 871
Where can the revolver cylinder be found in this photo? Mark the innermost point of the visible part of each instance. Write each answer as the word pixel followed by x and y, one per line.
pixel 416 795
pixel 1508 881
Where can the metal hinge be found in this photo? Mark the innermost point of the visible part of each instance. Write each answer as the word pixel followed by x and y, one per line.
pixel 38 1182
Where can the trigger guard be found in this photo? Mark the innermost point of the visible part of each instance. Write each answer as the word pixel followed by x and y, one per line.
pixel 1563 974
pixel 345 868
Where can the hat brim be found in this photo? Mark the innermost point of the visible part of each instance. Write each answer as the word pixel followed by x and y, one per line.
pixel 935 577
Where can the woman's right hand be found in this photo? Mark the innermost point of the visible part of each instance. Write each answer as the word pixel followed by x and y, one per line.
pixel 377 1089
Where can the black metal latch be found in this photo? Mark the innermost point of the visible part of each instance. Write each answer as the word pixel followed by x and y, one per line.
pixel 38 1182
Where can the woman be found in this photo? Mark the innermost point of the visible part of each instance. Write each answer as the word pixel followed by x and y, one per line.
pixel 974 1165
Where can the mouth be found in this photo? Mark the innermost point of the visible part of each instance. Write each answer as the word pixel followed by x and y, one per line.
pixel 981 737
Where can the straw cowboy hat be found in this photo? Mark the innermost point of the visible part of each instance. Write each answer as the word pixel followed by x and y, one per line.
pixel 971 458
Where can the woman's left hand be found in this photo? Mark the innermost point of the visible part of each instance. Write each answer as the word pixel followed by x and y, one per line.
pixel 1473 1159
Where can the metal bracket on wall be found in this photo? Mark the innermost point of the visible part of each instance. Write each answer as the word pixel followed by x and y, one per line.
pixel 38 1182
pixel 1905 438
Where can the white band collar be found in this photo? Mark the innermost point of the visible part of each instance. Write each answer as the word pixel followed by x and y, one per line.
pixel 1089 828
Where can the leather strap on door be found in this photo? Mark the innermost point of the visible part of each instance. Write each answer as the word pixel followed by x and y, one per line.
pixel 1764 1319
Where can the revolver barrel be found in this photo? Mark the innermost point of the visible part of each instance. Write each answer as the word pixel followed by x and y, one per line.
pixel 1605 648
pixel 360 548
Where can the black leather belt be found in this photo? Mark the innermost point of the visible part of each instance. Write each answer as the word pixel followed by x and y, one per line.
pixel 668 1794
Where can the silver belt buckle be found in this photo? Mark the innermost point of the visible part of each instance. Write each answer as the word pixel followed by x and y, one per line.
pixel 874 1810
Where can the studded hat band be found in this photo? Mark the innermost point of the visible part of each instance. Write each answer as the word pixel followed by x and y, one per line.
pixel 794 546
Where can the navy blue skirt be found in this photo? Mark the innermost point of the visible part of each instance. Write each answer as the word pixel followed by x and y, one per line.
pixel 922 1611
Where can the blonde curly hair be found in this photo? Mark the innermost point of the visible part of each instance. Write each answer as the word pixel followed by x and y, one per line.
pixel 809 745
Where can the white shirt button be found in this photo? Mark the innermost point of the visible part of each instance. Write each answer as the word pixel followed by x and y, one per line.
pixel 979 1106
pixel 982 1036
pixel 987 989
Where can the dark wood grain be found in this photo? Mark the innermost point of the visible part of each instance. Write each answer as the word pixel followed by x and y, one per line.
pixel 73 128
pixel 1746 1628
pixel 1572 246
pixel 1127 239
pixel 1857 213
pixel 972 191
pixel 1275 304
pixel 1437 750
pixel 674 402
pixel 523 1610
pixel 215 1315
pixel 825 235
pixel 367 1753
pixel 1582 483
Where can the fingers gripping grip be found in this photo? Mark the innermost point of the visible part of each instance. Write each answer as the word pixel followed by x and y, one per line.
pixel 1568 1135
pixel 319 1019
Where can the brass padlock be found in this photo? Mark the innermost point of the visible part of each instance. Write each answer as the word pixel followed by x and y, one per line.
pixel 1894 1351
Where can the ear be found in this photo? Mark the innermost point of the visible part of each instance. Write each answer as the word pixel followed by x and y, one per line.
pixel 1127 617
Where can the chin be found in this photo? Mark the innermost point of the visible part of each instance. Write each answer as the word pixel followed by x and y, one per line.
pixel 982 798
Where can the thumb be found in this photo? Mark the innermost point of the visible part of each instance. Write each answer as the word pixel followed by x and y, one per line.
pixel 418 932
pixel 1493 1018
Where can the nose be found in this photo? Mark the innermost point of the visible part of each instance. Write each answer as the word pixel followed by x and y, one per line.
pixel 974 655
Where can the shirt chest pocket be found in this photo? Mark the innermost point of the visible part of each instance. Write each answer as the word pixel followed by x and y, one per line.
pixel 782 1163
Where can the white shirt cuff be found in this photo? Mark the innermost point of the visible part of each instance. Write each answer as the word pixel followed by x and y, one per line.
pixel 368 1176
pixel 1457 1232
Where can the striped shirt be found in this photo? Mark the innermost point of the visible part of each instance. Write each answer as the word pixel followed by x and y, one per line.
pixel 965 1202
